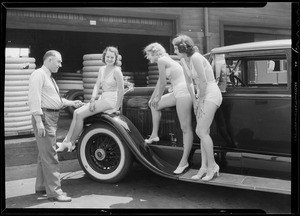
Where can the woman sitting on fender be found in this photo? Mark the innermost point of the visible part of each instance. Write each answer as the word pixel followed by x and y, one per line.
pixel 110 80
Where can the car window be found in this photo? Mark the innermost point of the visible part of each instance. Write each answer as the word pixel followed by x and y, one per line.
pixel 259 69
pixel 268 72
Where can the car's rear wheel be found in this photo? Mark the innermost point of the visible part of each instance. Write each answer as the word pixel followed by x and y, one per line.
pixel 102 154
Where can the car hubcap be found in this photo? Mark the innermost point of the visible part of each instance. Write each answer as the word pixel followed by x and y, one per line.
pixel 100 154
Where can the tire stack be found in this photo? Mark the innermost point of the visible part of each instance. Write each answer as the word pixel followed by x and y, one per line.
pixel 68 81
pixel 17 116
pixel 153 73
pixel 140 79
pixel 129 76
pixel 91 65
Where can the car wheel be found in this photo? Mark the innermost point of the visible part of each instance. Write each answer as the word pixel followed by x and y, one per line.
pixel 102 154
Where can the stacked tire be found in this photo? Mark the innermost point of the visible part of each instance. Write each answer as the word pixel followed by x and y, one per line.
pixel 129 76
pixel 140 79
pixel 68 81
pixel 17 116
pixel 153 74
pixel 70 87
pixel 91 66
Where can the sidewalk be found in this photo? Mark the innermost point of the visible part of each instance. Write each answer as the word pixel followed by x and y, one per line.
pixel 21 154
pixel 20 180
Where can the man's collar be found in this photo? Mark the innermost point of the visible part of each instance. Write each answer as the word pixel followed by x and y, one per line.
pixel 46 70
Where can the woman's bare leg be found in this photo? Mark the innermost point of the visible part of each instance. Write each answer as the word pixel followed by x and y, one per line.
pixel 78 118
pixel 167 100
pixel 184 112
pixel 202 130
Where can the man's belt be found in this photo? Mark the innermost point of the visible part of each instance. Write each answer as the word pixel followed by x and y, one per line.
pixel 51 110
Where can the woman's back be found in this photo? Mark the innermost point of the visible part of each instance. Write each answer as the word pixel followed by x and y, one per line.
pixel 208 71
pixel 175 72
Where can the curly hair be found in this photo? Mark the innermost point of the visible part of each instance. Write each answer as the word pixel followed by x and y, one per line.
pixel 111 49
pixel 185 44
pixel 155 49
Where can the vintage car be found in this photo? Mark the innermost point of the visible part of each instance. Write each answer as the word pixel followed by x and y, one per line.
pixel 251 130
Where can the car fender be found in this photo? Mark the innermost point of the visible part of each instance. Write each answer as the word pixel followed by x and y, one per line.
pixel 136 143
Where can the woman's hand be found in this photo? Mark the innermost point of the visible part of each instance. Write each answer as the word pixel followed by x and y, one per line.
pixel 200 108
pixel 115 110
pixel 155 102
pixel 92 105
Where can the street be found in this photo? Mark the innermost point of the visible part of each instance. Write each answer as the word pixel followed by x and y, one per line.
pixel 142 189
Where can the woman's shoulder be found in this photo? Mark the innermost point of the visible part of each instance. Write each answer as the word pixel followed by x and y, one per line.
pixel 196 55
pixel 165 59
pixel 117 70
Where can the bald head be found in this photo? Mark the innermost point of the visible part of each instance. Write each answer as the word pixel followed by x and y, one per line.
pixel 51 53
pixel 52 60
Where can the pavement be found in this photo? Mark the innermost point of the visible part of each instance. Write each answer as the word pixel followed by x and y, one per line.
pixel 21 154
pixel 20 180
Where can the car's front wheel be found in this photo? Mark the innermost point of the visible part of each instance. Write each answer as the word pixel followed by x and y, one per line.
pixel 102 154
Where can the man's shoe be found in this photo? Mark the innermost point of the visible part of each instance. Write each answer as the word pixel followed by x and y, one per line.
pixel 42 192
pixel 60 198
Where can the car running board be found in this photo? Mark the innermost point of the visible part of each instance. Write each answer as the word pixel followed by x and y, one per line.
pixel 243 182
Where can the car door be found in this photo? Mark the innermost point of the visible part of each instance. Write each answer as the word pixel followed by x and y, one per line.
pixel 255 116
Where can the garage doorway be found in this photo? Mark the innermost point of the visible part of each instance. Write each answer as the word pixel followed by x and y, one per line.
pixel 73 45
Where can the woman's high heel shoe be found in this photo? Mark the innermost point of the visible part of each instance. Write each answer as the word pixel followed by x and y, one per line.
pixel 180 170
pixel 149 141
pixel 63 145
pixel 200 174
pixel 211 173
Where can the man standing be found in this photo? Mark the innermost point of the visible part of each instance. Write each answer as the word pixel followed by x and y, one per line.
pixel 44 103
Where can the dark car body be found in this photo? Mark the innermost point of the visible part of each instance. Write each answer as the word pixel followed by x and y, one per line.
pixel 251 130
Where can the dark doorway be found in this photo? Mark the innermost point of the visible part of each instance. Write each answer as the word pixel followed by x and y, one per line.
pixel 73 45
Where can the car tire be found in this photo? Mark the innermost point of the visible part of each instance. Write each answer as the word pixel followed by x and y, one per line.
pixel 102 154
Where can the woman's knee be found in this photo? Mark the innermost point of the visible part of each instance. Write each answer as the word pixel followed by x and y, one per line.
pixel 186 126
pixel 78 115
pixel 201 132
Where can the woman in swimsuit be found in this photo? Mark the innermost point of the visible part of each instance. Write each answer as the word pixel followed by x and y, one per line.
pixel 110 80
pixel 206 100
pixel 180 97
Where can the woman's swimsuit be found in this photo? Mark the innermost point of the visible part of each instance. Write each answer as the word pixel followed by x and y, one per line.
pixel 109 88
pixel 212 91
pixel 177 79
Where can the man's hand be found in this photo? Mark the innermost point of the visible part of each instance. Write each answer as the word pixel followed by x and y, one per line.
pixel 41 129
pixel 77 103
